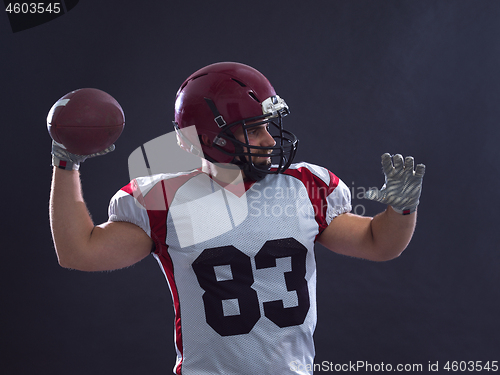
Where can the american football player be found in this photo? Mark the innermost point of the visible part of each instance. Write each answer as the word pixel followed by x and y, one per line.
pixel 235 238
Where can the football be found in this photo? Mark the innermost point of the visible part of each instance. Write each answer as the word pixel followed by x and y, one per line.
pixel 86 121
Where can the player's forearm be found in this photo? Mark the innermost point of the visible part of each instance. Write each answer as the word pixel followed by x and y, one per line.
pixel 70 221
pixel 391 233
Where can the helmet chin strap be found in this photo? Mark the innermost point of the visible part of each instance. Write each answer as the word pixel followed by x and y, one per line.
pixel 250 171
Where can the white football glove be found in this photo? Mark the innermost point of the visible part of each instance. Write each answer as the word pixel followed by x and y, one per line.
pixel 64 159
pixel 402 186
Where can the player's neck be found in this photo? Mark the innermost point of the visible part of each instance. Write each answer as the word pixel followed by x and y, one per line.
pixel 225 173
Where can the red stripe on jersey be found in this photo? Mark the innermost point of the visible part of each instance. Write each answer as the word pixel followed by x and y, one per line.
pixel 318 190
pixel 168 267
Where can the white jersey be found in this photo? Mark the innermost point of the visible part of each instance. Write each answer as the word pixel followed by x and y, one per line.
pixel 239 262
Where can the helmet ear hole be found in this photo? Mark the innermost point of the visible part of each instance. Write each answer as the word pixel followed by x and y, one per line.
pixel 205 140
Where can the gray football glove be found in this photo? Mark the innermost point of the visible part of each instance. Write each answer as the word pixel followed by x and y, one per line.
pixel 64 159
pixel 402 186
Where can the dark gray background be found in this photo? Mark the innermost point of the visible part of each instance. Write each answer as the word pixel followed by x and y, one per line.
pixel 362 78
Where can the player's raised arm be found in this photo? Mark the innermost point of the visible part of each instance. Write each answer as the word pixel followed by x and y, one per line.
pixel 386 235
pixel 79 244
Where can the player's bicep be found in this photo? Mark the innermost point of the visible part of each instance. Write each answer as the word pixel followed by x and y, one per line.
pixel 115 245
pixel 349 234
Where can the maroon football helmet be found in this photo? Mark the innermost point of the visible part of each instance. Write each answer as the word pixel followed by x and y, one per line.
pixel 222 97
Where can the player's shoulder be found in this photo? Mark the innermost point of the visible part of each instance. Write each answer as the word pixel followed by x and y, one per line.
pixel 155 192
pixel 308 171
pixel 147 183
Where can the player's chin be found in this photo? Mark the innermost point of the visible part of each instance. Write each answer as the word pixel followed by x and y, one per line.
pixel 262 162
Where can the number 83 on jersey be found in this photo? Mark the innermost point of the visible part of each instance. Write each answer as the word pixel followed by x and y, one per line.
pixel 238 286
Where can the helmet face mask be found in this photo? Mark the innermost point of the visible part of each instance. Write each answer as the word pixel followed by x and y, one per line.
pixel 225 99
pixel 280 155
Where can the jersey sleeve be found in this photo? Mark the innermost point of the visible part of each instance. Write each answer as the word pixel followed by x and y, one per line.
pixel 339 201
pixel 125 207
pixel 328 194
pixel 145 202
pixel 330 190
